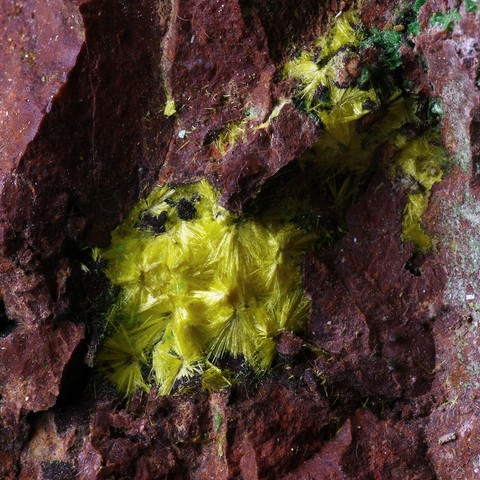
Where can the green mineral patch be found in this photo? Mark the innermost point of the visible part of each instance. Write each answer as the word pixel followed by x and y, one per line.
pixel 365 110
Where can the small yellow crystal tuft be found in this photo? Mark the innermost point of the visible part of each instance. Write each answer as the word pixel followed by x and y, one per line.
pixel 198 283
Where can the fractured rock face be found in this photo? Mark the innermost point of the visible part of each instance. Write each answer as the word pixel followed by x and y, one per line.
pixel 62 67
pixel 370 313
pixel 206 42
pixel 39 48
pixel 85 133
pixel 68 149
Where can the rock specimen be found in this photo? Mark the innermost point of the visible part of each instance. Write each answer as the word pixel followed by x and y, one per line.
pixel 101 100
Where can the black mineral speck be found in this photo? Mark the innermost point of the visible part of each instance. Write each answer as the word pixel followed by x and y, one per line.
pixel 6 325
pixel 156 223
pixel 369 105
pixel 186 209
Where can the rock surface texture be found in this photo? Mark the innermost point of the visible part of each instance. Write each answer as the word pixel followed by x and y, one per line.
pixel 385 382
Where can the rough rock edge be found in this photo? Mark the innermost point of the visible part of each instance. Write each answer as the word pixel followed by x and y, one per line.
pixel 457 290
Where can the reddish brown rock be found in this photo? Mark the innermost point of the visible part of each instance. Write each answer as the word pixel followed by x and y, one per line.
pixel 274 431
pixel 64 175
pixel 365 448
pixel 327 464
pixel 378 14
pixel 453 428
pixel 219 436
pixel 371 315
pixel 289 344
pixel 48 455
pixel 210 50
pixel 452 59
pixel 387 450
pixel 292 25
pixel 40 46
pixel 250 163
pixel 221 54
pixel 66 182
pixel 32 362
pixel 86 136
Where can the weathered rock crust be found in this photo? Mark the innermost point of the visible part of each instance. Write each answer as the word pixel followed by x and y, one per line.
pixel 387 386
